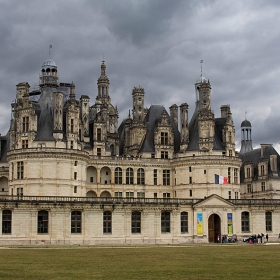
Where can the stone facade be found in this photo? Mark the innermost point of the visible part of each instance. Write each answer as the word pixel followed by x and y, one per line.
pixel 71 175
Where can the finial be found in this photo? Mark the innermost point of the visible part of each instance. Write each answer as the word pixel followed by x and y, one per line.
pixel 201 62
pixel 50 50
pixel 245 115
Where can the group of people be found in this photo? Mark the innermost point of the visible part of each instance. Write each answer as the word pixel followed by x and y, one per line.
pixel 260 238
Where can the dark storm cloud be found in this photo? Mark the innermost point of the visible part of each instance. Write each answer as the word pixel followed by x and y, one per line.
pixel 156 44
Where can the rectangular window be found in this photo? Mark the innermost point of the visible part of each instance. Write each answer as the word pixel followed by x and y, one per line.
pixel 140 195
pixel 236 195
pixel 263 186
pixel 155 177
pixel 165 222
pixel 6 222
pixel 136 222
pixel 25 124
pixel 262 170
pixel 229 175
pixel 75 189
pixel 152 155
pixel 98 134
pixel 235 175
pixel 72 125
pixel 248 172
pixel 129 194
pixel 75 163
pixel 229 194
pixel 107 222
pixel 75 175
pixel 190 193
pixel 155 195
pixel 24 144
pixel 184 222
pixel 245 222
pixel 164 154
pixel 166 177
pixel 249 188
pixel 190 180
pixel 91 179
pixel 19 191
pixel 43 221
pixel 166 195
pixel 164 138
pixel 204 171
pixel 190 169
pixel 118 194
pixel 76 222
pixel 268 221
pixel 99 152
pixel 71 144
pixel 20 170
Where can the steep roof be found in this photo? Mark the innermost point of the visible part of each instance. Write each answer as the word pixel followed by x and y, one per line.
pixel 152 118
pixel 255 156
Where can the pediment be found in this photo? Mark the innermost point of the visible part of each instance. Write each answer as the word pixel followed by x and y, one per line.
pixel 214 201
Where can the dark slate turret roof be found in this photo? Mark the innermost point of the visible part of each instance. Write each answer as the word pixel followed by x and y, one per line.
pixel 246 123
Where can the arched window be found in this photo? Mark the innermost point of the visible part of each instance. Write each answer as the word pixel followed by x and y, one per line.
pixel 165 222
pixel 118 175
pixel 140 176
pixel 6 222
pixel 184 222
pixel 245 221
pixel 268 221
pixel 76 222
pixel 107 222
pixel 129 176
pixel 43 221
pixel 136 222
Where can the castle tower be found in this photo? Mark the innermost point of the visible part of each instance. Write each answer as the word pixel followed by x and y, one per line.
pixel 246 137
pixel 206 119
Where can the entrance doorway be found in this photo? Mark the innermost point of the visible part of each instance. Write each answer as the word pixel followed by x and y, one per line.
pixel 214 228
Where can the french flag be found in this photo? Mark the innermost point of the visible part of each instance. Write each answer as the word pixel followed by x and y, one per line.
pixel 220 179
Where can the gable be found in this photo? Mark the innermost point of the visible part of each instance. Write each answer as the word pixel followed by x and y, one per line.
pixel 214 201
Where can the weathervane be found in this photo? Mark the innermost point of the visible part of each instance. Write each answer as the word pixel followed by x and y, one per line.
pixel 50 50
pixel 201 62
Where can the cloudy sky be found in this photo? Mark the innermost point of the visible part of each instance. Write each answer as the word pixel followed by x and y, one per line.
pixel 157 44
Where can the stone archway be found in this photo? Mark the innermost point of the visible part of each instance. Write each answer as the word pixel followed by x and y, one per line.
pixel 214 228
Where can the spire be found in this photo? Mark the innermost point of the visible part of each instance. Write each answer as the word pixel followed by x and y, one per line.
pixel 103 84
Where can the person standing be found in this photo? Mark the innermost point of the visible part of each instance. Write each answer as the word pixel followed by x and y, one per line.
pixel 266 237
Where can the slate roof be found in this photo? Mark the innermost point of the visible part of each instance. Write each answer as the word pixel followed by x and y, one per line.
pixel 193 132
pixel 254 156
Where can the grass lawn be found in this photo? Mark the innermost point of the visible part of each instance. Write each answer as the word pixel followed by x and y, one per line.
pixel 143 262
